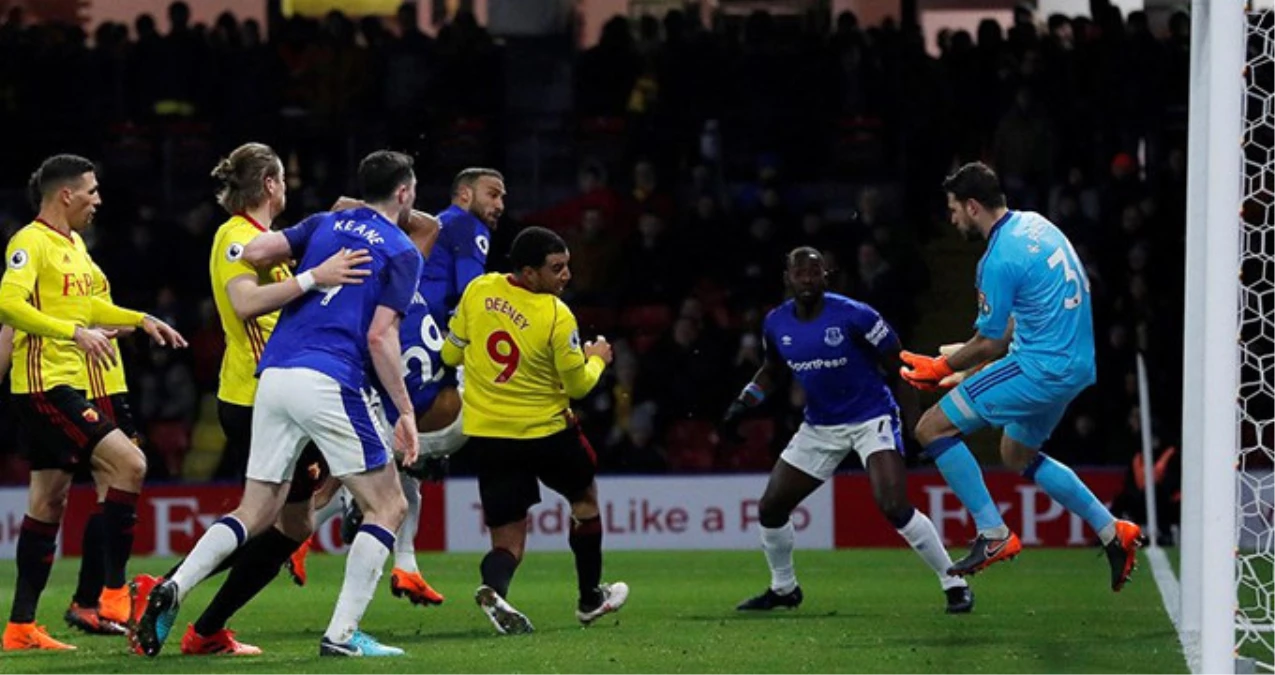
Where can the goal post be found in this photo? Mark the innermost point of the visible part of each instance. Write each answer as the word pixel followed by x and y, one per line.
pixel 1211 378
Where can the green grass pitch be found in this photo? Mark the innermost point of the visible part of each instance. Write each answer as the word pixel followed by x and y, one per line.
pixel 865 611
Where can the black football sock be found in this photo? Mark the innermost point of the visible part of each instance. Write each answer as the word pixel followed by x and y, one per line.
pixel 93 564
pixel 498 569
pixel 37 542
pixel 586 544
pixel 119 518
pixel 257 565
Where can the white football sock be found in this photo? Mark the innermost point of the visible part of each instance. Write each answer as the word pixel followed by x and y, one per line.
pixel 777 543
pixel 1108 533
pixel 333 507
pixel 924 539
pixel 405 542
pixel 215 546
pixel 362 572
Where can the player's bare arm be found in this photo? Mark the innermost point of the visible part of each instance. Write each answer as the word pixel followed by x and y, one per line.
pixel 251 299
pixel 383 345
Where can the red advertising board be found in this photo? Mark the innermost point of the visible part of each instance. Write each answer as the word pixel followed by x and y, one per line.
pixel 1038 520
pixel 171 518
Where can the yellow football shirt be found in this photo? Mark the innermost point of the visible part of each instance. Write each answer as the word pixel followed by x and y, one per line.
pixel 104 381
pixel 522 357
pixel 245 338
pixel 54 274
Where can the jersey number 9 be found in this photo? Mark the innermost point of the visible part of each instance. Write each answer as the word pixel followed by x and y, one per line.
pixel 508 358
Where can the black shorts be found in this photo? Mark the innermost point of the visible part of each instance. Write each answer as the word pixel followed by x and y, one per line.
pixel 60 427
pixel 116 407
pixel 311 469
pixel 508 470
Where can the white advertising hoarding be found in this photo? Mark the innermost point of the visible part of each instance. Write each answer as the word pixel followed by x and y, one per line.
pixel 665 512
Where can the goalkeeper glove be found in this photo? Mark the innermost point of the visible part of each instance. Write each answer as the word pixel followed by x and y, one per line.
pixel 924 372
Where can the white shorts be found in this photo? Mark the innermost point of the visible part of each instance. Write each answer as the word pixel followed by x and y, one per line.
pixel 297 405
pixel 819 450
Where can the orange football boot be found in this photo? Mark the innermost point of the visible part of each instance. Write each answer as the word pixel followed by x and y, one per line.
pixel 296 564
pixel 414 586
pixel 114 605
pixel 90 620
pixel 984 553
pixel 1122 552
pixel 19 636
pixel 221 642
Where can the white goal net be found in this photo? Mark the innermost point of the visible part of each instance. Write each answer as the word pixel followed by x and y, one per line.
pixel 1255 496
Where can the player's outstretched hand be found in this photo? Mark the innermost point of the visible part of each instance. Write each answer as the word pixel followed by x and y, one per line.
pixel 163 334
pixel 924 372
pixel 96 345
pixel 406 440
pixel 599 347
pixel 343 268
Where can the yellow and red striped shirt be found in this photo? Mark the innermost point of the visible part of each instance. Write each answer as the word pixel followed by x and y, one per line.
pixel 55 274
pixel 103 382
pixel 245 338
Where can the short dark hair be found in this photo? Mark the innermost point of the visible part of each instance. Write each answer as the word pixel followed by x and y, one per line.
pixel 533 245
pixel 467 178
pixel 803 252
pixel 976 181
pixel 382 172
pixel 54 174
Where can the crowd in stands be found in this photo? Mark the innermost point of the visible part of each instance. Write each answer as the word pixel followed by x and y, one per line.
pixel 703 155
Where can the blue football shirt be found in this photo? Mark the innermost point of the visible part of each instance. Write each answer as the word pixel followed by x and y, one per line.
pixel 327 332
pixel 835 358
pixel 1031 272
pixel 458 257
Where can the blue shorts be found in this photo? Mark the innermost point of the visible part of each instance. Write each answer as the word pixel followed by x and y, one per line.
pixel 1003 396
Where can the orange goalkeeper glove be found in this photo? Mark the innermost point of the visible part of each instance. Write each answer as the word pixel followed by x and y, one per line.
pixel 924 372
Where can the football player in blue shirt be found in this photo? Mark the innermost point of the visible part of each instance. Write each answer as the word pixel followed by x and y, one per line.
pixel 314 386
pixel 1035 326
pixel 842 352
pixel 456 257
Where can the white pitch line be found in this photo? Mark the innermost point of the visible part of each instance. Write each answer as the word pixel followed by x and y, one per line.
pixel 1171 595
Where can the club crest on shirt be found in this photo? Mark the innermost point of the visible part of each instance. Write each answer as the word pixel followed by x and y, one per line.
pixel 90 415
pixel 234 252
pixel 832 336
pixel 19 259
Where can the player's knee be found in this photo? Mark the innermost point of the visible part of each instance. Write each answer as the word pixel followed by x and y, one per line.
pixel 296 521
pixel 896 509
pixel 584 510
pixel 132 472
pixel 1016 456
pixel 930 427
pixel 770 514
pixel 49 508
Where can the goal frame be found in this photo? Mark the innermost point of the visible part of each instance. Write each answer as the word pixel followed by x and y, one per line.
pixel 1211 351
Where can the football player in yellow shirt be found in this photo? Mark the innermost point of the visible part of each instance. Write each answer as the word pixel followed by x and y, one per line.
pixel 520 346
pixel 47 296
